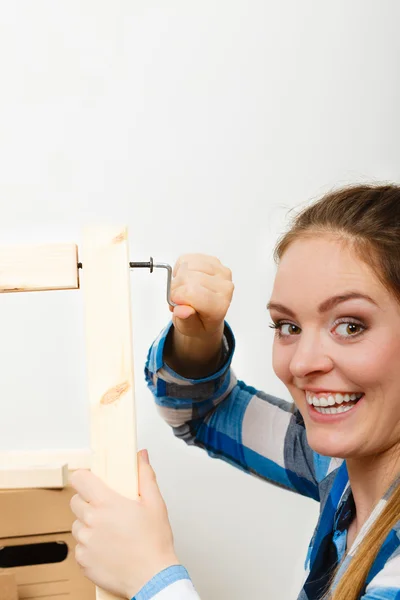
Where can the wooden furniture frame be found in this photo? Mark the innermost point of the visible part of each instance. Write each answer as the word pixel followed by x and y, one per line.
pixel 105 280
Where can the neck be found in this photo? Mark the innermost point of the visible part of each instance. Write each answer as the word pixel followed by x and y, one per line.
pixel 370 477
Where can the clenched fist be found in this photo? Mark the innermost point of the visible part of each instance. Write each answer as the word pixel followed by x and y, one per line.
pixel 203 288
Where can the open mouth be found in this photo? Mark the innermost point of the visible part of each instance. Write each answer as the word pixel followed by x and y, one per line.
pixel 333 404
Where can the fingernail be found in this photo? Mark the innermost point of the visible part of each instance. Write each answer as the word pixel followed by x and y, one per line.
pixel 145 456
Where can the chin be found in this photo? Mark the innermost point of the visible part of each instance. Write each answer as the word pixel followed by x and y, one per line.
pixel 327 446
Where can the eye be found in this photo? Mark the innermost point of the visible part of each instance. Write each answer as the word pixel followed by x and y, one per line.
pixel 347 329
pixel 285 329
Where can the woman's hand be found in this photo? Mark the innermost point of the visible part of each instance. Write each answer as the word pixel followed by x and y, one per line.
pixel 202 287
pixel 121 543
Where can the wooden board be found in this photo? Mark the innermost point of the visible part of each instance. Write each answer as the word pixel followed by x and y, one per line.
pixel 105 283
pixel 76 459
pixel 42 476
pixel 38 268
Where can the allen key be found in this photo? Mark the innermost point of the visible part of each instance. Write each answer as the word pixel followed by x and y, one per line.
pixel 152 265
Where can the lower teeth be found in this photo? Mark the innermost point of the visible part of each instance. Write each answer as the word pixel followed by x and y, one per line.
pixel 332 410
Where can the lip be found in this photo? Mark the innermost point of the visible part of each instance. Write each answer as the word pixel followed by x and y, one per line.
pixel 321 418
pixel 332 392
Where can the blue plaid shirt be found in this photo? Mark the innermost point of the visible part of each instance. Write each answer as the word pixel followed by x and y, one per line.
pixel 262 435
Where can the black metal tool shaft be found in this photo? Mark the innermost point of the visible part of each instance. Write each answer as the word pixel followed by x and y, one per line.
pixel 152 265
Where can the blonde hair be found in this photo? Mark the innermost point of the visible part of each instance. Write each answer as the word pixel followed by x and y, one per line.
pixel 353 581
pixel 368 218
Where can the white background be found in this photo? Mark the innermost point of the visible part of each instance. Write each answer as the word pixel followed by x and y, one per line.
pixel 198 125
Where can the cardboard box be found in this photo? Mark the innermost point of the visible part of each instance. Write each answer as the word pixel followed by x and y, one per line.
pixel 36 545
pixel 8 588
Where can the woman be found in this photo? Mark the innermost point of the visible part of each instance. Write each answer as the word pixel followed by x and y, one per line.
pixel 335 307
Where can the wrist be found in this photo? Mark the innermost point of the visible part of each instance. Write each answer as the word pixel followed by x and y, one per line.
pixel 194 357
pixel 148 572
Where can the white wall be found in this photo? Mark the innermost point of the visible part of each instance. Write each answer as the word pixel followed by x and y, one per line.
pixel 198 124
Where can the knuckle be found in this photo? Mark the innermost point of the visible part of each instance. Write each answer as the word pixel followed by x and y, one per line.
pixel 90 517
pixel 80 533
pixel 184 258
pixel 228 273
pixel 183 291
pixel 73 502
pixel 177 282
pixel 78 476
pixel 178 294
pixel 223 306
pixel 75 530
pixel 227 288
pixel 228 284
pixel 74 478
pixel 80 555
pixel 192 292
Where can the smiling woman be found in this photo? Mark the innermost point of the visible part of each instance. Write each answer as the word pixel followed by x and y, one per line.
pixel 336 311
pixel 335 307
pixel 345 350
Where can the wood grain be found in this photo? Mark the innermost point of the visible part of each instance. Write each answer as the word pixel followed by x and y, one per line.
pixel 76 459
pixel 106 289
pixel 38 268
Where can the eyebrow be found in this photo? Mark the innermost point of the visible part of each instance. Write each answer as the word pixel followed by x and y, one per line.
pixel 326 304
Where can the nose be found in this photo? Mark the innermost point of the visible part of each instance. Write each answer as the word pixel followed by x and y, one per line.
pixel 310 356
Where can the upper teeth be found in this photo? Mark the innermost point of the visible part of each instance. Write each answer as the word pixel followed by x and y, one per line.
pixel 331 399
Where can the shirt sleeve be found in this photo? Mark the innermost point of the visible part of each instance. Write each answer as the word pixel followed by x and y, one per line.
pixel 252 430
pixel 172 583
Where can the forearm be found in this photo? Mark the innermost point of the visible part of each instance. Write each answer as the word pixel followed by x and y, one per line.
pixel 193 358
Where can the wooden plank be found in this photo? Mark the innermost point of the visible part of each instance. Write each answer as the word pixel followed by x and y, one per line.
pixel 106 289
pixel 39 268
pixel 8 587
pixel 41 476
pixel 76 459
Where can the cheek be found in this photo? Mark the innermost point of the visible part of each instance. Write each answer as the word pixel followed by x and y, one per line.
pixel 372 364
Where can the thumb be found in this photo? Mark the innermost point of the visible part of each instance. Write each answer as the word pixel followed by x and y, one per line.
pixel 183 311
pixel 148 486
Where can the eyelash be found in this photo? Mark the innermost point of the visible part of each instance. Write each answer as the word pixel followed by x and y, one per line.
pixel 278 327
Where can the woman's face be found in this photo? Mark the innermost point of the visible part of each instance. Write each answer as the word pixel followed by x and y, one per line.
pixel 338 339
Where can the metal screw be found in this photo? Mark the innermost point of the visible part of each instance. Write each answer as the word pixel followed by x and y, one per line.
pixel 152 265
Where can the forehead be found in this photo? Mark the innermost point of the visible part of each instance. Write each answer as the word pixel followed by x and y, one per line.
pixel 319 267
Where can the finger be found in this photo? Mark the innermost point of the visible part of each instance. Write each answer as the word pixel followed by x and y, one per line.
pixel 214 283
pixel 148 487
pixel 80 532
pixel 89 486
pixel 79 507
pixel 183 312
pixel 199 262
pixel 204 300
pixel 80 555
